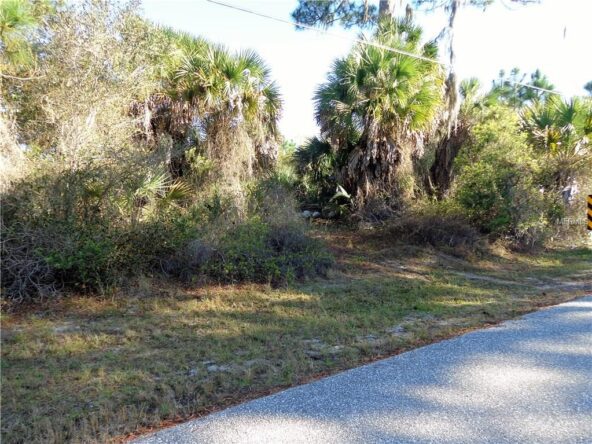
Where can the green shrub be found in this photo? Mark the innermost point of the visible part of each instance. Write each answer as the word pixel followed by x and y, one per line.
pixel 284 170
pixel 41 261
pixel 83 261
pixel 58 236
pixel 268 244
pixel 252 251
pixel 37 262
pixel 126 174
pixel 142 247
pixel 498 185
pixel 261 253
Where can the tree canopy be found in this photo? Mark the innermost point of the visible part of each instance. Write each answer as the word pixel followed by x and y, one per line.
pixel 374 106
pixel 513 89
pixel 361 13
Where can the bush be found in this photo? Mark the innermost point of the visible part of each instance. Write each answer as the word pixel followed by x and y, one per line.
pixel 437 225
pixel 59 233
pixel 498 186
pixel 84 230
pixel 260 253
pixel 124 179
pixel 83 260
pixel 255 252
pixel 39 262
pixel 269 245
pixel 315 164
pixel 502 199
pixel 24 272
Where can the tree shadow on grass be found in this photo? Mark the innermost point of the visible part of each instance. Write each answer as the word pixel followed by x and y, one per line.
pixel 525 381
pixel 155 363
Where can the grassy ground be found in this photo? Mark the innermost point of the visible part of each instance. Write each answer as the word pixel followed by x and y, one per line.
pixel 98 369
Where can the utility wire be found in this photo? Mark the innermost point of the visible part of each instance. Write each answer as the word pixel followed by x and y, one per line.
pixel 358 40
pixel 534 87
pixel 332 34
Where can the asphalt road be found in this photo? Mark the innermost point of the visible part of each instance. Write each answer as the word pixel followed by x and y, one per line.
pixel 525 381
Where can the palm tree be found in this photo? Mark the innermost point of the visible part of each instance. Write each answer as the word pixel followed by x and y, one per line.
pixel 375 106
pixel 561 131
pixel 512 90
pixel 209 91
pixel 315 163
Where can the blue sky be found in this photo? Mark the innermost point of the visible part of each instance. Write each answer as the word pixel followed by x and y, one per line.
pixel 554 36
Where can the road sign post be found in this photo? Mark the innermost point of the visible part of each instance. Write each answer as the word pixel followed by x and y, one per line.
pixel 589 212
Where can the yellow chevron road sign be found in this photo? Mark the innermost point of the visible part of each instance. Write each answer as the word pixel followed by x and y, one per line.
pixel 589 211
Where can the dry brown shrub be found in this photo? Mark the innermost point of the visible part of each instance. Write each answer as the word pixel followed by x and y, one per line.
pixel 436 226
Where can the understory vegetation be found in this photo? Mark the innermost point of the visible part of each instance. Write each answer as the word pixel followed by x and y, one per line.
pixel 513 165
pixel 165 251
pixel 131 149
pixel 147 151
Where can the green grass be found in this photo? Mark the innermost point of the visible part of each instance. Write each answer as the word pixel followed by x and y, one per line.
pixel 97 369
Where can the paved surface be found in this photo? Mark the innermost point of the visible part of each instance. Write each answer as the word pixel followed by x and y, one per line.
pixel 526 381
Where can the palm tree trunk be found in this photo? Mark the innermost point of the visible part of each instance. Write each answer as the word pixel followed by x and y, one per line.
pixel 372 168
pixel 147 122
pixel 442 170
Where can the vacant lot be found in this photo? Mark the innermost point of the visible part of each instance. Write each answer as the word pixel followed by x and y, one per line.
pixel 97 369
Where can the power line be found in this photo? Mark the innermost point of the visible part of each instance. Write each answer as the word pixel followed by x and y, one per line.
pixel 332 34
pixel 358 40
pixel 534 87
